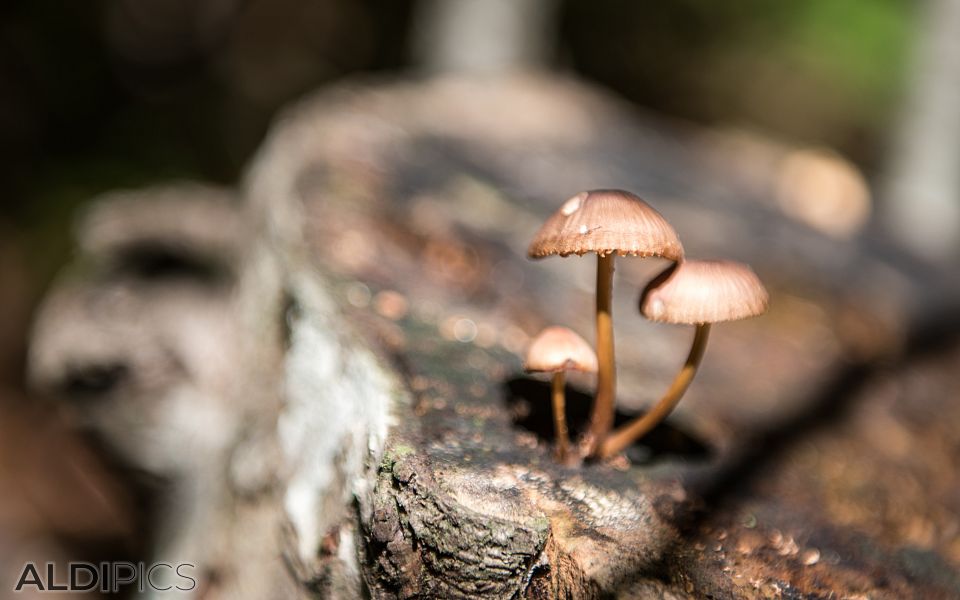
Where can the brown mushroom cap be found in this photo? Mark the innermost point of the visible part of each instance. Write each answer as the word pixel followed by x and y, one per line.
pixel 704 291
pixel 560 349
pixel 606 221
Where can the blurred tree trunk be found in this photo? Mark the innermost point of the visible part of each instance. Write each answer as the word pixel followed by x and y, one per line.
pixel 483 35
pixel 922 192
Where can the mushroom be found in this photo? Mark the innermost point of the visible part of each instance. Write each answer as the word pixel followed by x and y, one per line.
pixel 557 350
pixel 607 222
pixel 693 292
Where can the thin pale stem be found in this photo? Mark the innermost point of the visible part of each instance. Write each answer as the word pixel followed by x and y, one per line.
pixel 642 425
pixel 560 416
pixel 603 405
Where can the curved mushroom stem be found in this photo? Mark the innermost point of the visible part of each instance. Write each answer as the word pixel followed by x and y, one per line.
pixel 642 425
pixel 601 419
pixel 560 416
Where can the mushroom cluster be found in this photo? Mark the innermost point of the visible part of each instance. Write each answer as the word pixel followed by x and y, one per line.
pixel 696 292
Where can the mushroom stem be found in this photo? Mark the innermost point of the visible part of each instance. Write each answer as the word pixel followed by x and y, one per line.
pixel 642 425
pixel 603 405
pixel 559 416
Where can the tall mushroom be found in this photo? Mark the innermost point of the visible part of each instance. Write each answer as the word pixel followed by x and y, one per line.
pixel 607 222
pixel 693 292
pixel 557 350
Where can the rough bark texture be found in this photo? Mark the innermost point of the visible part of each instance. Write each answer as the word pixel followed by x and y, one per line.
pixel 391 435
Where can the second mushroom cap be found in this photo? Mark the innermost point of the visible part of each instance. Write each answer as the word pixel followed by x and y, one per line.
pixel 704 291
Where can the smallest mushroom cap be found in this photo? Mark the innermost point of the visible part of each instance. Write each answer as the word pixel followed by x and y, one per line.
pixel 704 291
pixel 560 349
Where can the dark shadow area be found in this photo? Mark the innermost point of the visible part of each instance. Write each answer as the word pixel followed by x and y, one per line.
pixel 529 403
pixel 162 261
pixel 937 331
pixel 95 380
pixel 81 506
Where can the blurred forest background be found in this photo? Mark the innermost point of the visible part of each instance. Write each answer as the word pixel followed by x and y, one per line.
pixel 114 93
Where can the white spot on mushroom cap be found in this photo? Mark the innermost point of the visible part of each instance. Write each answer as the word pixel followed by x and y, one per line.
pixel 583 230
pixel 572 205
pixel 656 307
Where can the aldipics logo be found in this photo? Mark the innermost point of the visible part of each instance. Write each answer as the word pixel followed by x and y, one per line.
pixel 108 577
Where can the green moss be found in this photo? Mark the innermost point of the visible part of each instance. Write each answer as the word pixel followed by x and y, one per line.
pixel 401 450
pixel 541 523
pixel 393 454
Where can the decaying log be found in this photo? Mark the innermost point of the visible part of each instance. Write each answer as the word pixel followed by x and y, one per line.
pixel 349 393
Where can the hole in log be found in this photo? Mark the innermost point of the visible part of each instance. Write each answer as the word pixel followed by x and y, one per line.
pixel 155 260
pixel 94 380
pixel 290 311
pixel 529 403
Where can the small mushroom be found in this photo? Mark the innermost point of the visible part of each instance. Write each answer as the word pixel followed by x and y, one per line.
pixel 607 222
pixel 693 292
pixel 557 350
